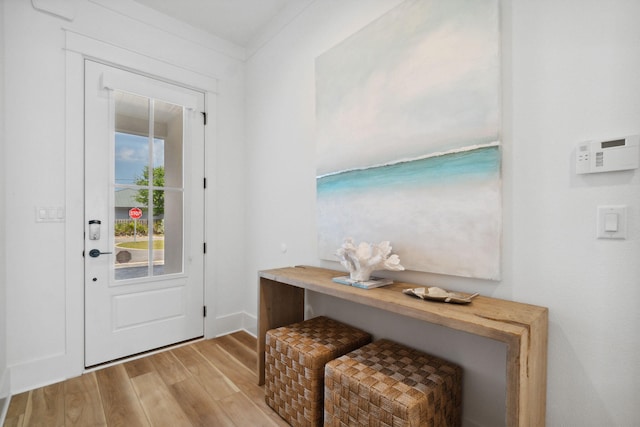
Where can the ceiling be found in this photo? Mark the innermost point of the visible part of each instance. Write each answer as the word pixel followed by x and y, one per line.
pixel 237 21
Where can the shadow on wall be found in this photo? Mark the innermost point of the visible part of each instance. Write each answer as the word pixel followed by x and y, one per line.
pixel 574 390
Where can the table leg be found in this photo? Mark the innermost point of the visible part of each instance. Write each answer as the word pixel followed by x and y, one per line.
pixel 280 305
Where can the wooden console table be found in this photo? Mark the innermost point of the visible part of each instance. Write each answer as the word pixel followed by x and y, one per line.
pixel 522 327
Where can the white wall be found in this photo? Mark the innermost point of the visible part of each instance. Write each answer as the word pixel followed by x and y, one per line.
pixel 569 74
pixel 44 260
pixel 4 377
pixel 573 80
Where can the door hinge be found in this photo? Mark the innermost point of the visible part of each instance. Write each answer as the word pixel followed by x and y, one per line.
pixel 204 247
pixel 205 182
pixel 204 311
pixel 204 118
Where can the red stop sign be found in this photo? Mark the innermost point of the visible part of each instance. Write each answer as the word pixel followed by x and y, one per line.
pixel 135 213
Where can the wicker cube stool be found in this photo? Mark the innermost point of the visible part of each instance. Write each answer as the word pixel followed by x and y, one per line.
pixel 387 384
pixel 295 356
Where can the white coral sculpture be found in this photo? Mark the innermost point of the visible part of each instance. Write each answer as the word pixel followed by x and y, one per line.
pixel 362 260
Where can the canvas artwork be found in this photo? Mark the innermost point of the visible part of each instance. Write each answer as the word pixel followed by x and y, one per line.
pixel 408 137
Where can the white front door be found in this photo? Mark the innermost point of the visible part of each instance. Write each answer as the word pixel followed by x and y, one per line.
pixel 144 157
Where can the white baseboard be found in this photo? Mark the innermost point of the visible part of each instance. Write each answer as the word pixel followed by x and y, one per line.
pixel 5 394
pixel 241 321
pixel 39 373
pixel 4 407
pixel 250 323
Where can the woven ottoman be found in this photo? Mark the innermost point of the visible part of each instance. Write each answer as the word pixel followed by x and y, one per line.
pixel 295 356
pixel 388 384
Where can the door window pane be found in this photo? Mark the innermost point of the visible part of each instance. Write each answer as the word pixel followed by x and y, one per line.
pixel 168 125
pixel 148 230
pixel 132 137
pixel 169 226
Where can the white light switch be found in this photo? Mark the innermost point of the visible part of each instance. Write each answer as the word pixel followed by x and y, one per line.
pixel 612 222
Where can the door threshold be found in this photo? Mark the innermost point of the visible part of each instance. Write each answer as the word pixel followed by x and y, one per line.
pixel 140 355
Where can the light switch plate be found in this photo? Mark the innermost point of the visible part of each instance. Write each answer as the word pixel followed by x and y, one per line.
pixel 612 218
pixel 49 214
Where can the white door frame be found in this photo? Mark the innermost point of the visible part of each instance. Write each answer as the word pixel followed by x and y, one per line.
pixel 129 316
pixel 78 48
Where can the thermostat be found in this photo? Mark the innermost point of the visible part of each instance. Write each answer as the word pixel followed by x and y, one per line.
pixel 608 156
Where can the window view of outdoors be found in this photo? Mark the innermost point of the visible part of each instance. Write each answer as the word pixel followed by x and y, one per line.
pixel 148 199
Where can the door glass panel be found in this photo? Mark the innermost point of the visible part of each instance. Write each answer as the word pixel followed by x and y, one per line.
pixel 170 226
pixel 148 231
pixel 132 137
pixel 168 125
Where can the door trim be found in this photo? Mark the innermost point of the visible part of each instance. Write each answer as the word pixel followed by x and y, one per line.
pixel 127 59
pixel 69 361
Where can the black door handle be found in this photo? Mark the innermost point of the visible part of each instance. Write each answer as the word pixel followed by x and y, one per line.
pixel 95 253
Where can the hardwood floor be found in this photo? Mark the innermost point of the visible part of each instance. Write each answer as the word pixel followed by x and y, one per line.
pixel 207 383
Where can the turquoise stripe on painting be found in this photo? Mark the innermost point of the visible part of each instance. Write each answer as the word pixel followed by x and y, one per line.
pixel 448 168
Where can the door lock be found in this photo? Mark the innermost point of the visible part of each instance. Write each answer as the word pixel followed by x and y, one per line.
pixel 94 229
pixel 95 253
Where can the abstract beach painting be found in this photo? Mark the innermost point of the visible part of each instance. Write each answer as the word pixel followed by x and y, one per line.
pixel 408 137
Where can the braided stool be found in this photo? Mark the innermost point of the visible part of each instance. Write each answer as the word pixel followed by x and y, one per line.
pixel 387 384
pixel 295 356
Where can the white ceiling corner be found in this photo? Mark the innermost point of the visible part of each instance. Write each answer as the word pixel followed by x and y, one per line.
pixel 237 21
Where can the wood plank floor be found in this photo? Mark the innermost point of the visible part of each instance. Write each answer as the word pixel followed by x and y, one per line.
pixel 206 383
